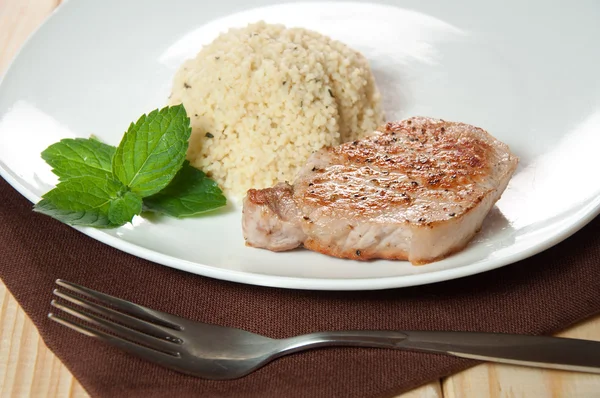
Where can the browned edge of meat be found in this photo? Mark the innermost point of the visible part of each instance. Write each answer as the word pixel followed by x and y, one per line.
pixel 414 190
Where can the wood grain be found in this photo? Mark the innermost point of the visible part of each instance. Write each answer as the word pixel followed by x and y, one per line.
pixel 18 19
pixel 504 381
pixel 29 369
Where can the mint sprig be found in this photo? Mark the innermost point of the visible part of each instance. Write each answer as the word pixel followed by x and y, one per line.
pixel 105 187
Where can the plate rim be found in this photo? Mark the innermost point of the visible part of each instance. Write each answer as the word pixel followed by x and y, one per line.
pixel 321 284
pixel 592 210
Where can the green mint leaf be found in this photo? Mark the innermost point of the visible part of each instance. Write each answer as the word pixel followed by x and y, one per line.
pixel 152 150
pixel 190 193
pixel 82 201
pixel 73 217
pixel 122 209
pixel 77 157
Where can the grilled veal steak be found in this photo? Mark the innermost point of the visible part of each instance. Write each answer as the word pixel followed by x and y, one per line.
pixel 415 190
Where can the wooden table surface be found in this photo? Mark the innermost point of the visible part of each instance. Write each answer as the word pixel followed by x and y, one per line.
pixel 29 369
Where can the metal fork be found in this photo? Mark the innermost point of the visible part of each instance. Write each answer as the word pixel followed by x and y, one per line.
pixel 222 353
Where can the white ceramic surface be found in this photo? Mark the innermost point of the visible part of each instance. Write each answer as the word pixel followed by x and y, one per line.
pixel 525 71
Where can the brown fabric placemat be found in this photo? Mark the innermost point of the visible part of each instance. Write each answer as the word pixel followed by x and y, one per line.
pixel 540 295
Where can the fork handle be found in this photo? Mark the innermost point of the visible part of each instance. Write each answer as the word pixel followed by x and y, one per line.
pixel 537 351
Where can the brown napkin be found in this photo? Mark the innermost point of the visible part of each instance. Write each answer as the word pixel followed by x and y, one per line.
pixel 538 296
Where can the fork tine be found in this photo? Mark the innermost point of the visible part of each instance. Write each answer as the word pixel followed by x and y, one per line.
pixel 143 352
pixel 130 334
pixel 139 311
pixel 127 320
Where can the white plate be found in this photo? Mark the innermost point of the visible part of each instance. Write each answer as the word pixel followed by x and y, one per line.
pixel 525 71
